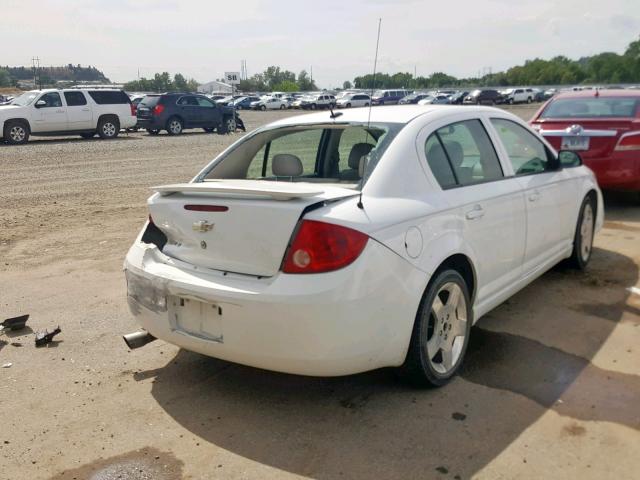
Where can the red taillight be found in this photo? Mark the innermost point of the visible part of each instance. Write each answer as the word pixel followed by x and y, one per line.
pixel 134 110
pixel 322 247
pixel 629 142
pixel 158 109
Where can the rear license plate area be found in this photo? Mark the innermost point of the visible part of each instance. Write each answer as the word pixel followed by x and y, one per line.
pixel 196 318
pixel 575 143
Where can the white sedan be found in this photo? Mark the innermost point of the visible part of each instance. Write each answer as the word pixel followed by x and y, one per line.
pixel 335 244
pixel 269 103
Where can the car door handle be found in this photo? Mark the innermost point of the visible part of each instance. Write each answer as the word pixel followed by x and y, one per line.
pixel 86 109
pixel 477 212
pixel 534 196
pixel 59 111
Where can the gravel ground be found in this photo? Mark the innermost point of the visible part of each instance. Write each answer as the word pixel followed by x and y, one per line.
pixel 550 389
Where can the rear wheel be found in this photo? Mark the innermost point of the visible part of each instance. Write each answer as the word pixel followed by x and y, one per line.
pixel 174 126
pixel 108 127
pixel 583 238
pixel 16 132
pixel 282 107
pixel 440 332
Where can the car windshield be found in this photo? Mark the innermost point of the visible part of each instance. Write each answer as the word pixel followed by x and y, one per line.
pixel 25 99
pixel 323 153
pixel 589 107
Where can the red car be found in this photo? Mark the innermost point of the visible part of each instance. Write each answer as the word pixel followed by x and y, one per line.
pixel 603 126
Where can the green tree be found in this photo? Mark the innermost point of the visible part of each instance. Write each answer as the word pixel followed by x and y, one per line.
pixel 305 83
pixel 346 85
pixel 286 86
pixel 5 78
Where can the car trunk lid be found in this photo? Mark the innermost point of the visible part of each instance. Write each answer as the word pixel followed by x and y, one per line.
pixel 239 226
pixel 602 134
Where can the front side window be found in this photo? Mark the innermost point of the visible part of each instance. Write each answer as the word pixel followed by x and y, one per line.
pixel 526 152
pixel 75 99
pixel 205 102
pixel 462 154
pixel 52 99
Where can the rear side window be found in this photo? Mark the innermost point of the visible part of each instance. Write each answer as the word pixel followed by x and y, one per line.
pixel 75 99
pixel 109 97
pixel 526 152
pixel 462 154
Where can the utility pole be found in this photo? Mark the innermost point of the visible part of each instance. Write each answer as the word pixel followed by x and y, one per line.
pixel 35 62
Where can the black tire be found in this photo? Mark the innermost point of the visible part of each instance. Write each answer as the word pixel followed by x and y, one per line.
pixel 263 107
pixel 208 129
pixel 583 238
pixel 174 126
pixel 88 135
pixel 528 99
pixel 282 107
pixel 511 101
pixel 228 125
pixel 16 132
pixel 366 104
pixel 108 127
pixel 313 106
pixel 153 131
pixel 348 105
pixel 422 368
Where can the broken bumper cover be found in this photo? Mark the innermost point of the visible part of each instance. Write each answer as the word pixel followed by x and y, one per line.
pixel 352 320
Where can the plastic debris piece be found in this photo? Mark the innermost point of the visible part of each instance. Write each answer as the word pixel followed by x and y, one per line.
pixel 42 338
pixel 15 323
pixel 7 365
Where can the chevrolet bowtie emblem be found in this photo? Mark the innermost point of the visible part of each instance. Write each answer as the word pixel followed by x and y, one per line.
pixel 202 226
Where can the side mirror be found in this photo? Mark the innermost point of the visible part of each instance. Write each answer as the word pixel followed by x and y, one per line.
pixel 41 103
pixel 569 158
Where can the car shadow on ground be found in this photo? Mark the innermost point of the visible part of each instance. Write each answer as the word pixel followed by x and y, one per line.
pixel 66 140
pixel 373 426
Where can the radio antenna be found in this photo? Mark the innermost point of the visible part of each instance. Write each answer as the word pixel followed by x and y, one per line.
pixel 373 85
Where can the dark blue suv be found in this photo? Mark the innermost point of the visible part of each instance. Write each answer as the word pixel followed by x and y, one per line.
pixel 175 112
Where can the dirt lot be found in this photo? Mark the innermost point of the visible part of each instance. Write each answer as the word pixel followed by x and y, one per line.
pixel 551 387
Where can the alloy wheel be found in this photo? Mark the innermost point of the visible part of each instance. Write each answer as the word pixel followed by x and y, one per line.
pixel 586 232
pixel 175 126
pixel 447 328
pixel 109 129
pixel 17 133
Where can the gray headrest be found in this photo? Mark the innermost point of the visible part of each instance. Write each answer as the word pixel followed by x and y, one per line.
pixel 286 165
pixel 358 151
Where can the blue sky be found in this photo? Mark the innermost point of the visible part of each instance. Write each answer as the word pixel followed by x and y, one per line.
pixel 203 39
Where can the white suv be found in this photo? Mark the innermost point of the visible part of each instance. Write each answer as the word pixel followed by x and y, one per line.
pixel 518 95
pixel 66 112
pixel 318 101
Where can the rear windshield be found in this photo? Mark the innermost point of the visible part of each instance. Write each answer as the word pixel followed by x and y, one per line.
pixel 150 100
pixel 616 107
pixel 109 97
pixel 335 153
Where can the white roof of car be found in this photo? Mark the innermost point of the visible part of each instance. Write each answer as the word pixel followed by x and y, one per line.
pixel 388 114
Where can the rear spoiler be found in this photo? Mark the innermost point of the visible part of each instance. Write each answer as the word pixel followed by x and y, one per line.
pixel 277 191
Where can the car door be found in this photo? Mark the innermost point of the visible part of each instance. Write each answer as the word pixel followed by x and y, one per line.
pixel 210 115
pixel 488 206
pixel 189 111
pixel 550 194
pixel 49 114
pixel 79 113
